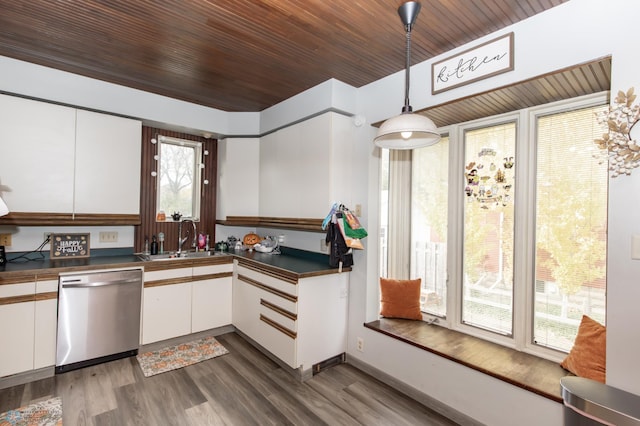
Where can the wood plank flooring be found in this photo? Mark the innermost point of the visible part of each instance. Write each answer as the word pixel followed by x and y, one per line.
pixel 241 388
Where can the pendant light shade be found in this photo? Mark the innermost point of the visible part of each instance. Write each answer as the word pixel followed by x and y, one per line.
pixel 4 210
pixel 407 130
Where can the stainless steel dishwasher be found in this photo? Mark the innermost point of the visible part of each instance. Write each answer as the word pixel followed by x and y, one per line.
pixel 98 317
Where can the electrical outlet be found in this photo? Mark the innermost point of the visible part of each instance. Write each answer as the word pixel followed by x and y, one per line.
pixel 5 239
pixel 358 210
pixel 109 237
pixel 360 344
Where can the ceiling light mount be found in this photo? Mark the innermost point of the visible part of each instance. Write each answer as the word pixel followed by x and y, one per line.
pixel 407 130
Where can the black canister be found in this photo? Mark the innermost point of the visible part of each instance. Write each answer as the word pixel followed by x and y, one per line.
pixel 154 245
pixel 3 257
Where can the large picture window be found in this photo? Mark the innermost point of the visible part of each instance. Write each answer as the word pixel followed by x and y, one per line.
pixel 508 225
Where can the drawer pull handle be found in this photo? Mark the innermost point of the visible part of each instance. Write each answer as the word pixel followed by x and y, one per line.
pixel 279 310
pixel 281 328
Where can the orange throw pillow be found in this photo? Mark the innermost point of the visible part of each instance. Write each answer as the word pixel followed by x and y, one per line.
pixel 400 298
pixel 589 353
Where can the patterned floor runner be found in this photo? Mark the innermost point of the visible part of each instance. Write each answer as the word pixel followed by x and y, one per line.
pixel 45 413
pixel 179 356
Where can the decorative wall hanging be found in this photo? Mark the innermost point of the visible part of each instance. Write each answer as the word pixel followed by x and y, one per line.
pixel 489 180
pixel 491 58
pixel 70 245
pixel 623 149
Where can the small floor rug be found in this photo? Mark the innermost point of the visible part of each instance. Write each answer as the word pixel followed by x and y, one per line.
pixel 45 413
pixel 179 356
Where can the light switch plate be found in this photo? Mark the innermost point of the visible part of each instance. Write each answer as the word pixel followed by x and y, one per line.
pixel 5 239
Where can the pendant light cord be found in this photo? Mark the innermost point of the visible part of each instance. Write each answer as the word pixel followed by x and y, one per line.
pixel 407 107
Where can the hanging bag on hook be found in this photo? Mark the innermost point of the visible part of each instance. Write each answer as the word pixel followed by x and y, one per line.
pixel 339 254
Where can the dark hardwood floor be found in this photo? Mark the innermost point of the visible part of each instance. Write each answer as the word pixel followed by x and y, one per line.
pixel 241 388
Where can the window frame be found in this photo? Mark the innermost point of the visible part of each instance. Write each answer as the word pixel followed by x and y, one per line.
pixel 197 175
pixel 524 218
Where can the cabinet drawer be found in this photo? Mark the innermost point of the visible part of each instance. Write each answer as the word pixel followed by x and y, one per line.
pixel 213 269
pixel 167 274
pixel 273 295
pixel 278 343
pixel 286 287
pixel 287 319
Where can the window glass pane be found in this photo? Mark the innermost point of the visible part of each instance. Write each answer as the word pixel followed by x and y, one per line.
pixel 179 178
pixel 487 294
pixel 571 226
pixel 429 207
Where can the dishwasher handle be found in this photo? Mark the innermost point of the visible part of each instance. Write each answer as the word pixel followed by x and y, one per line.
pixel 79 284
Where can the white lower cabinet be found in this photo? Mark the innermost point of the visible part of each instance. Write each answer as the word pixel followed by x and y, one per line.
pixel 211 297
pixel 28 312
pixel 45 327
pixel 16 333
pixel 166 312
pixel 182 301
pixel 166 308
pixel 301 321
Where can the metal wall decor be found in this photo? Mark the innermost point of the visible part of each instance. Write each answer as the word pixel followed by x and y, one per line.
pixel 489 180
pixel 623 150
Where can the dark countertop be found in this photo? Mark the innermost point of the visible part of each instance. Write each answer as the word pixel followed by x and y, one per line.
pixel 299 262
pixel 302 263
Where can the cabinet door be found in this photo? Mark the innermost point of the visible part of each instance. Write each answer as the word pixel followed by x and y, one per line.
pixel 313 168
pixel 17 337
pixel 46 313
pixel 211 304
pixel 108 150
pixel 16 330
pixel 37 160
pixel 45 333
pixel 166 312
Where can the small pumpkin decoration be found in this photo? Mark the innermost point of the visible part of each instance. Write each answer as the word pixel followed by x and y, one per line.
pixel 251 239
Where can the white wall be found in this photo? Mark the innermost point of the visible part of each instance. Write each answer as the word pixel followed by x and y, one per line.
pixel 575 32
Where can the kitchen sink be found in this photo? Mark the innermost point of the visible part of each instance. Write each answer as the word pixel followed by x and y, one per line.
pixel 183 255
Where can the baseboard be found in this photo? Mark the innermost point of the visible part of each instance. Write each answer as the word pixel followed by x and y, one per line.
pixel 27 377
pixel 413 393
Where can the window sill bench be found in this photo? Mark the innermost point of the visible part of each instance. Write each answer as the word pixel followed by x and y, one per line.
pixel 520 369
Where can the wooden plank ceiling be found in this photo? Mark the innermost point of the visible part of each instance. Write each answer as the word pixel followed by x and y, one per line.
pixel 242 55
pixel 580 80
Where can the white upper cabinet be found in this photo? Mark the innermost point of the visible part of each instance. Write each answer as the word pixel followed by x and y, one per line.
pixel 238 177
pixel 58 159
pixel 37 161
pixel 301 167
pixel 107 177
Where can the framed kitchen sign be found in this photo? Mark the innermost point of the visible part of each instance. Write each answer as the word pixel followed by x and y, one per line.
pixel 491 58
pixel 69 245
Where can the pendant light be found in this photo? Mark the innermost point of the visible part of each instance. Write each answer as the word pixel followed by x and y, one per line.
pixel 407 130
pixel 4 210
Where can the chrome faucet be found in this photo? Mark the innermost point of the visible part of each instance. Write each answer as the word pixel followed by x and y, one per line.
pixel 182 240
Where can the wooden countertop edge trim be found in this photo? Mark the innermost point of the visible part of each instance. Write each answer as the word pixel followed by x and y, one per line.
pixel 376 326
pixel 289 277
